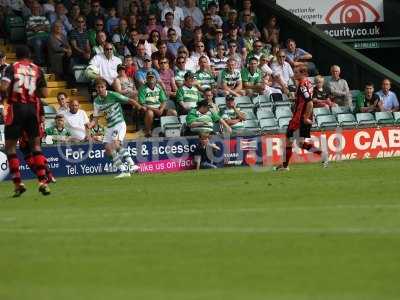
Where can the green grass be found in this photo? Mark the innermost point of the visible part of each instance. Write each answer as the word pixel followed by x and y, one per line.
pixel 229 234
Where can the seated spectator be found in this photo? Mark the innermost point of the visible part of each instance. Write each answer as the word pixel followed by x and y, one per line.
pixel 212 9
pixel 154 41
pixel 252 78
pixel 37 32
pixel 232 53
pixel 131 47
pixel 101 39
pixel 63 102
pixel 232 115
pixel 270 31
pixel 187 95
pixel 388 97
pixel 233 36
pixel 59 51
pixel 121 37
pixel 74 12
pixel 176 11
pixel 204 76
pixel 231 80
pixel 296 56
pixel 208 28
pixel 80 45
pixel 152 102
pixel 77 122
pixel 168 78
pixel 247 8
pixel 248 20
pixel 180 71
pixel 60 15
pixel 212 45
pixel 321 97
pixel 130 68
pixel 198 37
pixel 263 65
pixel 224 11
pixel 141 54
pixel 96 130
pixel 107 63
pixel 124 84
pixel 218 62
pixel 153 26
pixel 338 88
pixel 95 14
pixel 173 44
pixel 259 49
pixel 249 38
pixel 169 24
pixel 199 52
pixel 232 22
pixel 209 97
pixel 201 154
pixel 92 33
pixel 193 11
pixel 201 120
pixel 112 21
pixel 187 30
pixel 282 72
pixel 162 53
pixel 368 101
pixel 58 132
pixel 266 85
pixel 141 74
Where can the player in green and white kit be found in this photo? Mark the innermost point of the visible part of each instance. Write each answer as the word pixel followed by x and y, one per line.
pixel 108 103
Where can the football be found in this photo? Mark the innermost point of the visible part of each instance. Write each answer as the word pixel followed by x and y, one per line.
pixel 92 72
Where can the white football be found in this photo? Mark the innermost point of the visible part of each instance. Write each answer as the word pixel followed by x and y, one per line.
pixel 92 72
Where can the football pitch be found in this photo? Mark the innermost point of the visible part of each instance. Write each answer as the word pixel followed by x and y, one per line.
pixel 227 234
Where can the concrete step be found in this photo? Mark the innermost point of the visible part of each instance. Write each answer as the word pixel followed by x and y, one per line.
pixel 56 84
pixel 54 91
pixel 53 100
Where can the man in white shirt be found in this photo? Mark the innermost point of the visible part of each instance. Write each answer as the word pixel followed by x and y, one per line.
pixel 77 122
pixel 107 63
pixel 176 10
pixel 282 72
pixel 389 98
pixel 192 10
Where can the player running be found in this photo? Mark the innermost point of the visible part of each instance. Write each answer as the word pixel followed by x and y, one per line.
pixel 25 83
pixel 108 103
pixel 300 125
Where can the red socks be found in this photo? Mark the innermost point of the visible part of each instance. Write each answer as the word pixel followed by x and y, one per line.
pixel 13 163
pixel 288 155
pixel 40 166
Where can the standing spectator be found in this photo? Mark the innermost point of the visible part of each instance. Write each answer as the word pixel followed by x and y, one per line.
pixel 167 77
pixel 282 72
pixel 80 43
pixel 169 24
pixel 204 76
pixel 176 11
pixel 124 84
pixel 270 31
pixel 58 132
pixel 63 103
pixel 201 154
pixel 173 44
pixel 121 37
pixel 187 95
pixel 60 15
pixel 212 10
pixel 192 10
pixel 107 63
pixel 219 61
pixel 59 51
pixel 180 70
pixel 37 32
pixel 338 88
pixel 296 56
pixel 112 22
pixel 95 14
pixel 187 30
pixel 321 96
pixel 92 33
pixel 368 101
pixel 77 122
pixel 141 74
pixel 252 78
pixel 232 115
pixel 231 79
pixel 389 98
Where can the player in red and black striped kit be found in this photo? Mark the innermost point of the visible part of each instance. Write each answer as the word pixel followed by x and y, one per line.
pixel 300 125
pixel 25 84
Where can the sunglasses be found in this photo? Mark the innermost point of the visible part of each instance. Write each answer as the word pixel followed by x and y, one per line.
pixel 108 49
pixel 180 61
pixel 163 62
pixel 282 56
pixel 99 24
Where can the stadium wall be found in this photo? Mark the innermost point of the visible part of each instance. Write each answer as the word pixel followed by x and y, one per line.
pixel 174 155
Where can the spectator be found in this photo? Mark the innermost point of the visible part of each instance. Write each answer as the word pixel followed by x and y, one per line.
pixel 121 37
pixel 58 132
pixel 173 44
pixel 152 25
pixel 201 120
pixel 187 95
pixel 152 102
pixel 258 50
pixel 3 63
pixel 169 23
pixel 124 84
pixel 95 14
pixel 138 59
pixel 154 40
pixel 161 53
pixel 263 65
pixel 282 72
pixel 96 130
pixel 219 61
pixel 296 56
pixel 189 65
pixel 232 22
pixel 77 122
pixel 388 98
pixel 232 53
pixel 92 33
pixel 177 13
pixel 247 9
pixel 37 32
pixel 112 22
pixel 60 15
pixel 232 115
pixel 224 11
pixel 130 68
pixel 231 79
pixel 180 70
pixel 266 85
pixel 167 77
pixel 73 14
pixel 134 42
pixel 212 10
pixel 197 38
pixel 233 36
pixel 63 103
pixel 135 24
pixel 247 20
pixel 212 45
pixel 321 97
pixel 204 76
pixel 199 52
pixel 149 8
pixel 141 74
pixel 107 63
pixel 208 28
pixel 59 51
pixel 187 30
pixel 252 78
pixel 101 39
pixel 80 43
pixel 338 88
pixel 249 37
pixel 202 153
pixel 368 101
pixel 193 11
pixel 209 97
pixel 270 31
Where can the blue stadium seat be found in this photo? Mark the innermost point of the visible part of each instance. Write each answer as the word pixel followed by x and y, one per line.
pixel 365 119
pixel 384 117
pixel 280 99
pixel 252 126
pixel 249 114
pixel 220 102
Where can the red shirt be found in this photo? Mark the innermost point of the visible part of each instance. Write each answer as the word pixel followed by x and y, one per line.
pixel 303 96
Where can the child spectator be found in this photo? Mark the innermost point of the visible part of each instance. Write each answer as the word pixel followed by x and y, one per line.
pixel 204 149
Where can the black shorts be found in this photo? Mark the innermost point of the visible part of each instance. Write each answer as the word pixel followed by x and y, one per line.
pixel 303 132
pixel 24 119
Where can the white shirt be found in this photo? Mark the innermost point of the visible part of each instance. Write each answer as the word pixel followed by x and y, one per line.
pixel 75 123
pixel 285 71
pixel 195 13
pixel 193 60
pixel 178 15
pixel 178 31
pixel 107 67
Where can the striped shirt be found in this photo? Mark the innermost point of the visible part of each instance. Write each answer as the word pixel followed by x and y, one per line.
pixel 110 106
pixel 35 21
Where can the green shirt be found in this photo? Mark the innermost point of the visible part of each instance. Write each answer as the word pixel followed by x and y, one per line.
pixel 230 114
pixel 152 97
pixel 231 79
pixel 252 79
pixel 206 79
pixel 188 95
pixel 209 118
pixel 99 130
pixel 110 106
pixel 57 134
pixel 179 76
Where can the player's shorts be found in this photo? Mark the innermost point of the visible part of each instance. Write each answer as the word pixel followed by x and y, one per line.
pixel 303 132
pixel 115 133
pixel 23 118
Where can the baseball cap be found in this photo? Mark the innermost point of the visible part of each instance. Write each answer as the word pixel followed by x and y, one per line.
pixel 188 75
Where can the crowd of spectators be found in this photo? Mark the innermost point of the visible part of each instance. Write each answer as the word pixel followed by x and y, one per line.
pixel 174 57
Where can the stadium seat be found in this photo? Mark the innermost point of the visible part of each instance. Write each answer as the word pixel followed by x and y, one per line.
pixel 284 123
pixel 354 93
pixel 244 102
pixel 220 102
pixel 280 99
pixel 268 125
pixel 365 119
pixel 79 73
pixel 265 113
pixel 384 117
pixel 48 123
pixel 347 120
pixel 263 101
pixel 170 126
pixel 252 125
pixel 283 112
pixel 249 114
pixel 321 111
pixel 336 110
pixel 49 111
pixel 396 117
pixel 327 121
